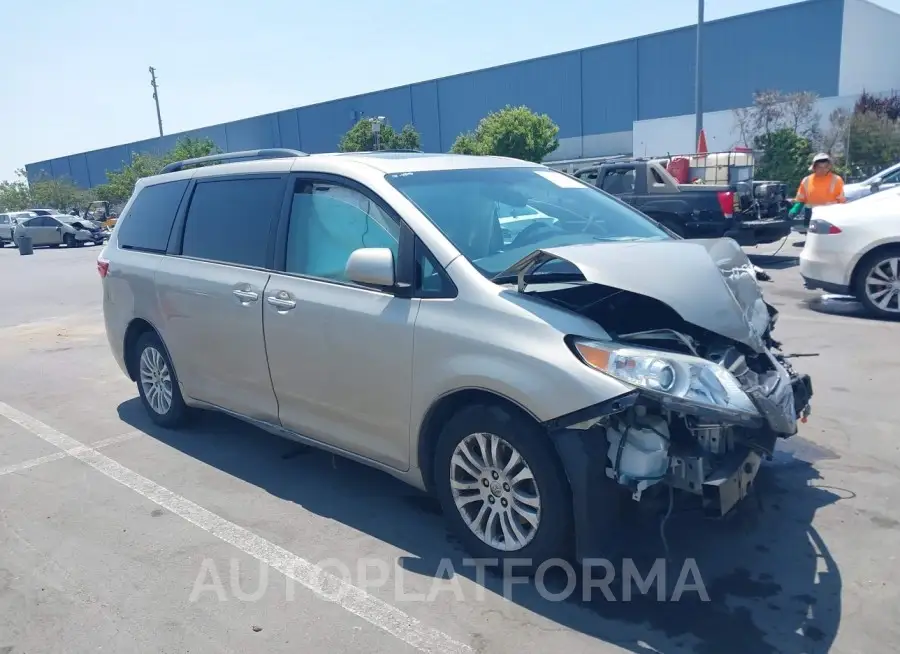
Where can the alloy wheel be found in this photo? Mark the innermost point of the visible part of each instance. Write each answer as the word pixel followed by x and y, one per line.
pixel 495 492
pixel 882 285
pixel 156 380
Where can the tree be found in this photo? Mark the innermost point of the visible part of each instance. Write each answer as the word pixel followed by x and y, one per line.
pixel 834 137
pixel 361 138
pixel 773 111
pixel 50 193
pixel 873 141
pixel 514 132
pixel 57 193
pixel 785 156
pixel 15 195
pixel 120 184
pixel 885 105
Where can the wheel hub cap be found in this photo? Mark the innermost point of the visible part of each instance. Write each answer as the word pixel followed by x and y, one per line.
pixel 495 492
pixel 156 380
pixel 883 285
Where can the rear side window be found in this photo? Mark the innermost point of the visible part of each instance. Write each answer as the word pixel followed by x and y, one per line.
pixel 149 221
pixel 230 220
pixel 4 219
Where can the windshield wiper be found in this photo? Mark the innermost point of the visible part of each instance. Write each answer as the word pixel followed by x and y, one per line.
pixel 544 277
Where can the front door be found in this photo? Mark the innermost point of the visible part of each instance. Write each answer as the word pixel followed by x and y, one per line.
pixel 211 295
pixel 52 232
pixel 340 354
pixel 42 230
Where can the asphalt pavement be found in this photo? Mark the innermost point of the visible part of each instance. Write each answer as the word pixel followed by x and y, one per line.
pixel 116 535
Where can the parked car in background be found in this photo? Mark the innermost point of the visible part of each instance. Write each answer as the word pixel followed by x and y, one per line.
pixel 886 179
pixel 539 383
pixel 8 222
pixel 691 210
pixel 61 229
pixel 854 249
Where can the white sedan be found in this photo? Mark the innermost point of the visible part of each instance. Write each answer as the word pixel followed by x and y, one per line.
pixel 886 179
pixel 854 249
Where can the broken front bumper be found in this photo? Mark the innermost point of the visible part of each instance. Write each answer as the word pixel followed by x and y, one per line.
pixel 721 485
pixel 598 501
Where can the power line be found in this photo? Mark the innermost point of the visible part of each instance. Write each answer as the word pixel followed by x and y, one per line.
pixel 156 98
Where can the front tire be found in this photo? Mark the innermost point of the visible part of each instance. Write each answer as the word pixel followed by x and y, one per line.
pixel 69 241
pixel 877 284
pixel 157 383
pixel 502 488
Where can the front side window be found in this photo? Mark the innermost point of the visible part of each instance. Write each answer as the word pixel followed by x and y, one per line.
pixel 149 221
pixel 4 219
pixel 328 222
pixel 230 220
pixel 619 181
pixel 467 206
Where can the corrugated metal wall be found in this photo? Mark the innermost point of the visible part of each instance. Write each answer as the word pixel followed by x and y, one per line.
pixel 594 91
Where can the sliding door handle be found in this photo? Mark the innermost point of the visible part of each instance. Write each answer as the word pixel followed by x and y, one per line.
pixel 281 304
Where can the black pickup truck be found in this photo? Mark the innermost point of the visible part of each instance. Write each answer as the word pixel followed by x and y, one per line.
pixel 692 210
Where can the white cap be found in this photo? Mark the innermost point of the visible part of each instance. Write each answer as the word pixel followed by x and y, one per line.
pixel 822 156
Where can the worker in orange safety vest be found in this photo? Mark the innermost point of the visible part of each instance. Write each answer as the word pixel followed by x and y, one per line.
pixel 822 187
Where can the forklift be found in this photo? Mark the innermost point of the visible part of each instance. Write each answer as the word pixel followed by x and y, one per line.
pixel 102 212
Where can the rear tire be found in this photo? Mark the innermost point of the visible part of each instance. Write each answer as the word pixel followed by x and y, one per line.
pixel 874 277
pixel 158 384
pixel 517 504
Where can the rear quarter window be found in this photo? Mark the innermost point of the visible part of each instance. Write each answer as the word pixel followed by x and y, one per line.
pixel 149 221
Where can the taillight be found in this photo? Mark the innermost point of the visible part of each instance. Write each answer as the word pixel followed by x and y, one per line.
pixel 102 266
pixel 819 226
pixel 728 203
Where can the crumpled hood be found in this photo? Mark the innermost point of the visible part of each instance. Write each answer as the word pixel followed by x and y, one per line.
pixel 710 283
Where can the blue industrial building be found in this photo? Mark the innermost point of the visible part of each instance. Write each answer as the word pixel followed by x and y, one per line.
pixel 598 96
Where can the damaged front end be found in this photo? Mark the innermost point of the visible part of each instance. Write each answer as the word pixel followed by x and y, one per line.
pixel 690 332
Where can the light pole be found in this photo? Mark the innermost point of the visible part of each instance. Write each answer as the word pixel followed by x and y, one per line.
pixel 376 130
pixel 698 70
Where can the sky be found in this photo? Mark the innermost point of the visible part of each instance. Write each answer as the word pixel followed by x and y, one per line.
pixel 75 72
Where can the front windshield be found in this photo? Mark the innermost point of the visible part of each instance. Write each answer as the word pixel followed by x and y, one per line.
pixel 496 216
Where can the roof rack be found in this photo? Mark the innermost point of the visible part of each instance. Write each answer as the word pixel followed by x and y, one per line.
pixel 388 150
pixel 244 155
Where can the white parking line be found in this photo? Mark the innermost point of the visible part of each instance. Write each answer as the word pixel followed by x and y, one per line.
pixel 327 586
pixel 41 460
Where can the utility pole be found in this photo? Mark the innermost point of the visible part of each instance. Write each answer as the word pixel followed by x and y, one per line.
pixel 698 80
pixel 156 98
pixel 376 130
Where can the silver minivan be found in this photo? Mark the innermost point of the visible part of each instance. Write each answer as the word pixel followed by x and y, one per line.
pixel 538 383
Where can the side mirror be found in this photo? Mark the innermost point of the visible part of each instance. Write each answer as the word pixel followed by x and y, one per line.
pixel 874 186
pixel 373 266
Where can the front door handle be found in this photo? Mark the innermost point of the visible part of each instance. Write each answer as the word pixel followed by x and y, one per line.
pixel 280 303
pixel 246 296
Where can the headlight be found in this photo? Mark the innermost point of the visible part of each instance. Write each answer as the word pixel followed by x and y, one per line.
pixel 680 381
